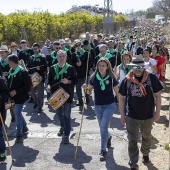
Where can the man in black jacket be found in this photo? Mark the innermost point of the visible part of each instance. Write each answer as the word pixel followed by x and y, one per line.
pixel 19 86
pixel 37 63
pixel 4 95
pixel 63 75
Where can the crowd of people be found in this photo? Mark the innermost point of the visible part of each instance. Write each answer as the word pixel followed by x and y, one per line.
pixel 127 70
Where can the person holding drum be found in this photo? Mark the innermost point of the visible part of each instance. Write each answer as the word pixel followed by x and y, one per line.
pixel 37 67
pixel 4 95
pixel 4 66
pixel 19 86
pixel 63 75
pixel 104 83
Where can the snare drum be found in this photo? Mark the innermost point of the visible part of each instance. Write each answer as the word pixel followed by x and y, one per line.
pixel 9 104
pixel 58 98
pixel 35 79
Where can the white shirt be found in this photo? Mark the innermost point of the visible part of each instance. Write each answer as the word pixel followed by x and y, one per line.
pixel 153 62
pixel 121 74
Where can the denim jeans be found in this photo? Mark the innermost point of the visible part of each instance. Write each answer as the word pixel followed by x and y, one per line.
pixel 21 123
pixel 79 89
pixel 104 115
pixel 64 113
pixel 2 141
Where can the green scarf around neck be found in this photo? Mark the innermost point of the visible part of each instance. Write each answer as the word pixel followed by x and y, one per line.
pixel 62 71
pixel 111 51
pixel 155 55
pixel 108 56
pixel 102 84
pixel 10 74
pixel 65 49
pixel 121 66
pixel 79 54
pixel 25 51
pixel 53 56
pixel 35 56
pixel 4 62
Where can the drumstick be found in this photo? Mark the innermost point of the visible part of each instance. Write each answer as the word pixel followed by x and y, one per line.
pixel 34 67
pixel 58 82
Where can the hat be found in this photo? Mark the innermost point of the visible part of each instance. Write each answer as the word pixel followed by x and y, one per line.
pixel 61 41
pixel 77 41
pixel 47 40
pixel 4 48
pixel 23 41
pixel 137 60
pixel 85 42
pixel 131 36
pixel 67 41
pixel 100 35
pixel 50 47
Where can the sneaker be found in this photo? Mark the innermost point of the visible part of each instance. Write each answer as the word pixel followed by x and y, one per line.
pixel 40 110
pixel 145 159
pixel 65 139
pixel 13 119
pixel 103 156
pixel 35 106
pixel 2 157
pixel 109 142
pixel 80 103
pixel 25 130
pixel 19 139
pixel 61 131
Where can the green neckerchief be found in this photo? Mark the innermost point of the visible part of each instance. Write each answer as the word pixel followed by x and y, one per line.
pixel 35 56
pixel 10 74
pixel 108 56
pixel 81 53
pixel 121 66
pixel 69 47
pixel 53 56
pixel 155 55
pixel 89 48
pixel 65 49
pixel 102 80
pixel 4 62
pixel 63 70
pixel 121 51
pixel 112 51
pixel 25 51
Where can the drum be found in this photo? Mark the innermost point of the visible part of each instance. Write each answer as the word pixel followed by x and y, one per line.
pixel 9 104
pixel 58 98
pixel 35 79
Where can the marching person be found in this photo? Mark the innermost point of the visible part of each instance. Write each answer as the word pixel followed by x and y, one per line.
pixel 4 95
pixel 45 47
pixel 105 86
pixel 143 90
pixel 4 66
pixel 79 61
pixel 14 50
pixel 19 86
pixel 66 77
pixel 37 63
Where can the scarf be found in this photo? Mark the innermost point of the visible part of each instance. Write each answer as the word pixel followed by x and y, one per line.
pixel 121 66
pixel 4 62
pixel 10 74
pixel 155 55
pixel 53 56
pixel 79 54
pixel 35 56
pixel 111 51
pixel 108 56
pixel 121 51
pixel 62 71
pixel 25 51
pixel 131 77
pixel 65 49
pixel 102 84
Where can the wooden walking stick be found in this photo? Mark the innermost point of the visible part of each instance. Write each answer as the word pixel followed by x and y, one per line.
pixel 75 153
pixel 3 126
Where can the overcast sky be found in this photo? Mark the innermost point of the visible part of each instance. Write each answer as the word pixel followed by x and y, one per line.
pixel 58 6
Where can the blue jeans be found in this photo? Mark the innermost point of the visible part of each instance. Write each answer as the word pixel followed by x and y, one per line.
pixel 21 123
pixel 64 113
pixel 104 115
pixel 2 141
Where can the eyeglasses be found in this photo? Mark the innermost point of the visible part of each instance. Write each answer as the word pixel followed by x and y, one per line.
pixel 77 45
pixel 137 67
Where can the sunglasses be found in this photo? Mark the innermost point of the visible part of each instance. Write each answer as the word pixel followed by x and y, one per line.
pixel 77 45
pixel 137 67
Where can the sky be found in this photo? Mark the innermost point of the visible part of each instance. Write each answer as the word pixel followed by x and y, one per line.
pixel 58 6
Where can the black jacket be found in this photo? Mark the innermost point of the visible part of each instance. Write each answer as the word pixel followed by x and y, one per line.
pixel 38 62
pixel 50 61
pixel 20 83
pixel 69 88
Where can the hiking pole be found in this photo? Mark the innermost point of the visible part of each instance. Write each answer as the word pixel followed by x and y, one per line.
pixel 3 126
pixel 75 153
